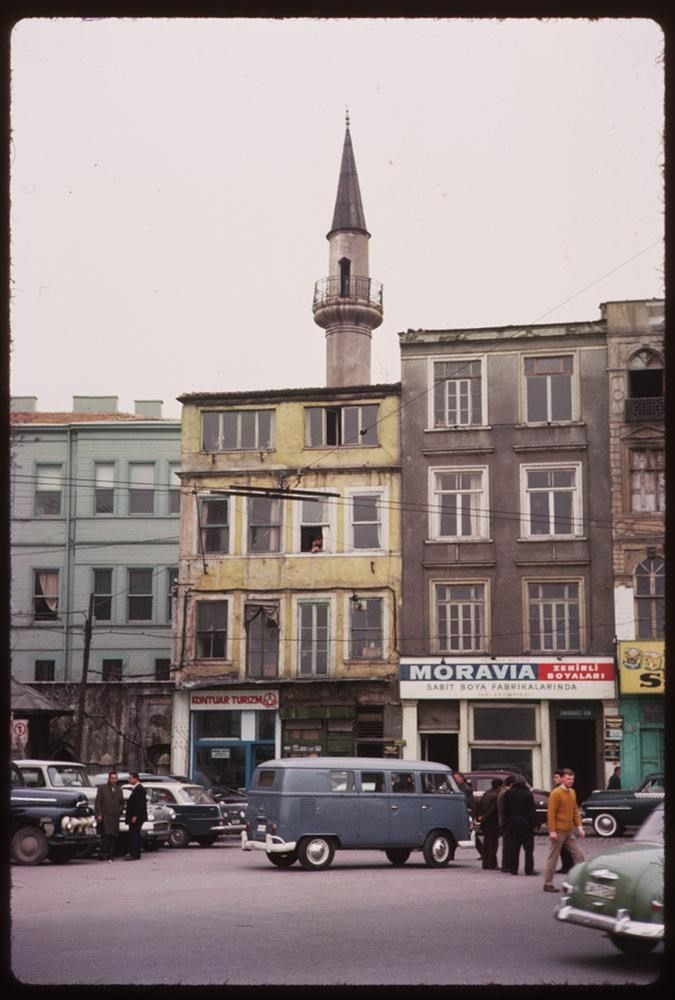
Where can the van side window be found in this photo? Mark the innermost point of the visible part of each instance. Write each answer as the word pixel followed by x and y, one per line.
pixel 402 781
pixel 342 781
pixel 372 781
pixel 265 779
pixel 435 783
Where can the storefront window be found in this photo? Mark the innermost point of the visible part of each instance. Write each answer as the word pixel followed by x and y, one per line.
pixel 265 725
pixel 500 722
pixel 518 759
pixel 217 725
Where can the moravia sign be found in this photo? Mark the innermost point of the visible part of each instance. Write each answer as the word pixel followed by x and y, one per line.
pixel 588 677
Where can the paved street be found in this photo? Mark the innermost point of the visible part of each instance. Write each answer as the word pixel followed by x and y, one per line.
pixel 222 916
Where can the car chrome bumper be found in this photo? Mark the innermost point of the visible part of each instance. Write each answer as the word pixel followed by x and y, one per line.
pixel 621 923
pixel 272 845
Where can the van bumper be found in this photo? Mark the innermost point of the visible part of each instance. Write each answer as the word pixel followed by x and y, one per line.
pixel 471 842
pixel 271 845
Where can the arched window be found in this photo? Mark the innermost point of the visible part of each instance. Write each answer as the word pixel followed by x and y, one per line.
pixel 645 386
pixel 345 276
pixel 650 598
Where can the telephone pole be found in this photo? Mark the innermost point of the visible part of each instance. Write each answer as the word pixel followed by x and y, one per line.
pixel 88 626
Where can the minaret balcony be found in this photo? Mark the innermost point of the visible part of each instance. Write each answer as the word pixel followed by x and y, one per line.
pixel 337 290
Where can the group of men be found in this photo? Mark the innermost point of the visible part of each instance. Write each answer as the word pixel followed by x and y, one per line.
pixel 507 810
pixel 108 808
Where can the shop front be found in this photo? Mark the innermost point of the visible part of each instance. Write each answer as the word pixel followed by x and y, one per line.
pixel 530 714
pixel 640 723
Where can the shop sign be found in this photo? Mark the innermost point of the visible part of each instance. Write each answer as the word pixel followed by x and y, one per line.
pixel 582 678
pixel 642 667
pixel 612 751
pixel 613 727
pixel 215 700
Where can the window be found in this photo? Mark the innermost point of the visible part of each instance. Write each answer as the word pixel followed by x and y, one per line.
pixel 327 426
pixel 46 595
pixel 162 670
pixel 45 670
pixel 313 636
pixel 459 504
pixel 504 722
pixel 104 488
pixel 262 639
pixel 102 583
pixel 174 488
pixel 366 521
pixel 552 500
pixel 111 671
pixel 548 388
pixel 365 629
pixel 139 598
pixel 211 630
pixel 457 393
pixel 460 617
pixel 48 488
pixel 141 488
pixel 264 524
pixel 650 599
pixel 214 521
pixel 217 725
pixel 647 480
pixel 372 781
pixel 232 430
pixel 554 617
pixel 314 525
pixel 171 591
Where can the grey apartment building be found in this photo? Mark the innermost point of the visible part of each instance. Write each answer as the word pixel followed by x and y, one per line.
pixel 507 629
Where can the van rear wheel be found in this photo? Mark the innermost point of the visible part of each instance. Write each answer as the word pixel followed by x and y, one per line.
pixel 438 850
pixel 283 860
pixel 315 853
pixel 397 855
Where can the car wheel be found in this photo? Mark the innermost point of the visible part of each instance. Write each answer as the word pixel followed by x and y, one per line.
pixel 605 825
pixel 179 837
pixel 633 946
pixel 438 850
pixel 206 841
pixel 29 846
pixel 61 855
pixel 316 853
pixel 283 860
pixel 397 856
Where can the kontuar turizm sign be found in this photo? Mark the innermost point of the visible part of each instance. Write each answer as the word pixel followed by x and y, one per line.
pixel 549 677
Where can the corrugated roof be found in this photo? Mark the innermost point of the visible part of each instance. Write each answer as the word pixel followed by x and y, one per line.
pixel 45 417
pixel 316 392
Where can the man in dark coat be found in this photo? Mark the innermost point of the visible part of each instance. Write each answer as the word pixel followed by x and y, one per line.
pixel 506 834
pixel 108 809
pixel 136 815
pixel 520 819
pixel 466 789
pixel 489 823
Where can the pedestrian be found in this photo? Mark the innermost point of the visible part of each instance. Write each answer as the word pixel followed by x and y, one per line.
pixel 467 791
pixel 520 819
pixel 136 815
pixel 564 825
pixel 489 823
pixel 108 809
pixel 505 834
pixel 615 780
pixel 565 856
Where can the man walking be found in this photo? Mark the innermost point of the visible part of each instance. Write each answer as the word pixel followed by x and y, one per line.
pixel 108 809
pixel 564 825
pixel 136 815
pixel 565 856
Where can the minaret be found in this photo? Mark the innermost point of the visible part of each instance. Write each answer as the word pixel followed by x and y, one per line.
pixel 348 303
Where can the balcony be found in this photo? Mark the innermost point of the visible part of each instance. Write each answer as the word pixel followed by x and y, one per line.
pixel 645 408
pixel 355 290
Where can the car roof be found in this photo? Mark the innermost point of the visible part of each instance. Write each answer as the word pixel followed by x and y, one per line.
pixel 32 761
pixel 346 763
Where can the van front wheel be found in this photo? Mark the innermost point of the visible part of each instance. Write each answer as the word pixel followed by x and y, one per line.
pixel 438 850
pixel 397 855
pixel 283 860
pixel 315 853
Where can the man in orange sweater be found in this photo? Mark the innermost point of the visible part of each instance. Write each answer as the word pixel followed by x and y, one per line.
pixel 564 825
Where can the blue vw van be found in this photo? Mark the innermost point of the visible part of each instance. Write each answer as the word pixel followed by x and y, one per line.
pixel 305 808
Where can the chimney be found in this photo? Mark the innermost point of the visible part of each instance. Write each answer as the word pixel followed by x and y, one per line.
pixel 95 404
pixel 23 404
pixel 148 407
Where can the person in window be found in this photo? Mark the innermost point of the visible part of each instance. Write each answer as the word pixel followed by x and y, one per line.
pixel 317 544
pixel 615 780
pixel 404 783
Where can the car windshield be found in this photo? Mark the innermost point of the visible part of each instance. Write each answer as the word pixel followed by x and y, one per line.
pixel 651 831
pixel 195 794
pixel 69 776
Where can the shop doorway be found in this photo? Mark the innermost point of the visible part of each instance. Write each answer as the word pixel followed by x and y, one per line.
pixel 442 748
pixel 576 747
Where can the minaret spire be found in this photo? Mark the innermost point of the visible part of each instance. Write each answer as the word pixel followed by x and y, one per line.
pixel 348 303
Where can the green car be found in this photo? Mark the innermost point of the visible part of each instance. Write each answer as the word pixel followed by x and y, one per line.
pixel 620 891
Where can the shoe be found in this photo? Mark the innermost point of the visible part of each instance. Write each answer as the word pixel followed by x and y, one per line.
pixel 531 873
pixel 110 861
pixel 550 888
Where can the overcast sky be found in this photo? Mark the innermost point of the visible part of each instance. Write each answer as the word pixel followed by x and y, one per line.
pixel 173 182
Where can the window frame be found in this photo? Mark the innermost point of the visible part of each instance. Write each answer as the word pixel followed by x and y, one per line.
pixel 100 595
pixel 658 473
pixel 135 491
pixel 118 677
pixel 271 526
pixel 435 383
pixel 145 595
pixel 481 513
pixel 527 492
pixel 54 614
pixel 48 666
pixel 204 527
pixel 315 640
pixel 223 602
pixel 173 490
pixel 104 489
pixel 654 601
pixel 380 652
pixel 334 426
pixel 239 413
pixel 172 576
pixel 41 476
pixel 482 640
pixel 325 529
pixel 573 375
pixel 541 650
pixel 351 495
pixel 265 606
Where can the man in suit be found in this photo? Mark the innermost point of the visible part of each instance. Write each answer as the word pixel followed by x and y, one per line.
pixel 108 808
pixel 136 815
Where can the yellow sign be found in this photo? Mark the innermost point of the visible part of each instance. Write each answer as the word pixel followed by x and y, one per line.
pixel 642 667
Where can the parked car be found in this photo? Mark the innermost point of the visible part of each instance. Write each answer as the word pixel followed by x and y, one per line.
pixel 58 824
pixel 481 780
pixel 57 774
pixel 621 890
pixel 197 814
pixel 610 811
pixel 123 776
pixel 233 803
